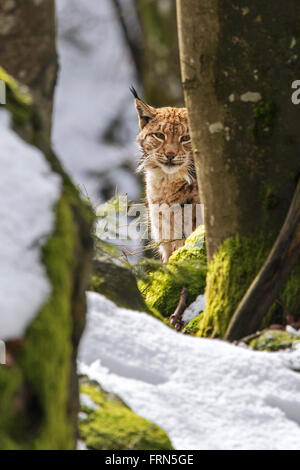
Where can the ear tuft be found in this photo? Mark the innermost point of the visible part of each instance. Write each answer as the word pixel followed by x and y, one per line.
pixel 134 92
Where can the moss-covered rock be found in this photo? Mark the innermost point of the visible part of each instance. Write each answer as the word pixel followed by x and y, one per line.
pixel 273 340
pixel 38 387
pixel 119 284
pixel 106 423
pixel 186 267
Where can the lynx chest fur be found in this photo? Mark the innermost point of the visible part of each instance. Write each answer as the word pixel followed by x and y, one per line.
pixel 168 166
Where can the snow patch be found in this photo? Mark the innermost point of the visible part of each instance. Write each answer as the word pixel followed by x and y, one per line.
pixel 86 400
pixel 292 330
pixel 92 93
pixel 28 191
pixel 194 309
pixel 211 394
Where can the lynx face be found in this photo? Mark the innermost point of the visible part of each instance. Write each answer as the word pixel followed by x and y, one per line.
pixel 164 140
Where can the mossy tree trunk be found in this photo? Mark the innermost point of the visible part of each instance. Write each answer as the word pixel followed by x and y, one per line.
pixel 238 63
pixel 39 389
pixel 159 56
pixel 39 384
pixel 27 37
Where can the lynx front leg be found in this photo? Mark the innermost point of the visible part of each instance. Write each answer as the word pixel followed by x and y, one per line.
pixel 166 249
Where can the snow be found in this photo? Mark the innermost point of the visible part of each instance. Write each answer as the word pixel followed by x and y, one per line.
pixel 81 445
pixel 92 91
pixel 206 394
pixel 28 191
pixel 194 309
pixel 292 330
pixel 86 400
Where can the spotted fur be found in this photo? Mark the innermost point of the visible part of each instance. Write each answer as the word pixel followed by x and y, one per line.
pixel 167 163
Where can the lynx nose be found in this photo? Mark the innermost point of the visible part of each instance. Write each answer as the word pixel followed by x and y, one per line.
pixel 170 156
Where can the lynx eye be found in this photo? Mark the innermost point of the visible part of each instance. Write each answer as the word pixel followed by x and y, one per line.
pixel 159 135
pixel 185 138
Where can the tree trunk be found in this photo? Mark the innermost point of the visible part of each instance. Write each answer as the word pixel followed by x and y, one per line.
pixel 238 64
pixel 160 69
pixel 39 387
pixel 27 52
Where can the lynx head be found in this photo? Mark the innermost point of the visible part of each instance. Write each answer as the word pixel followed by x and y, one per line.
pixel 164 140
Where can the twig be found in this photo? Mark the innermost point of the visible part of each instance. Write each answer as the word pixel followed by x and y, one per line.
pixel 175 319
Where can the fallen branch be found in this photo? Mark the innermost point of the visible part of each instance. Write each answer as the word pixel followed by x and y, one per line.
pixel 176 318
pixel 273 275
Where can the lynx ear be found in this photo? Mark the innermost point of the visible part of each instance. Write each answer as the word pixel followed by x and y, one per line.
pixel 144 111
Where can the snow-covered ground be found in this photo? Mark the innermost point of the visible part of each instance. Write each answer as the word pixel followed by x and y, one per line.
pixel 207 394
pixel 28 191
pixel 92 92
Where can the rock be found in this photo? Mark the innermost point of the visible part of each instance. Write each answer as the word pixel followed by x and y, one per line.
pixel 185 268
pixel 106 423
pixel 39 387
pixel 119 284
pixel 273 340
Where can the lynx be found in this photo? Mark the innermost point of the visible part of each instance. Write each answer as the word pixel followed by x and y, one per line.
pixel 168 166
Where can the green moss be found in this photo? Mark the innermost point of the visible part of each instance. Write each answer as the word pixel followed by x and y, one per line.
pixel 273 340
pixel 19 99
pixel 230 273
pixel 193 326
pixel 269 196
pixel 44 363
pixel 10 382
pixel 114 426
pixel 186 267
pixel 290 294
pixel 265 111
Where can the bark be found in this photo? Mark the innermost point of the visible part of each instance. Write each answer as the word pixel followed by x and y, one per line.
pixel 238 63
pixel 27 51
pixel 160 68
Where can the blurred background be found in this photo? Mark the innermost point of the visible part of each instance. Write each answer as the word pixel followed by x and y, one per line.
pixel 104 47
